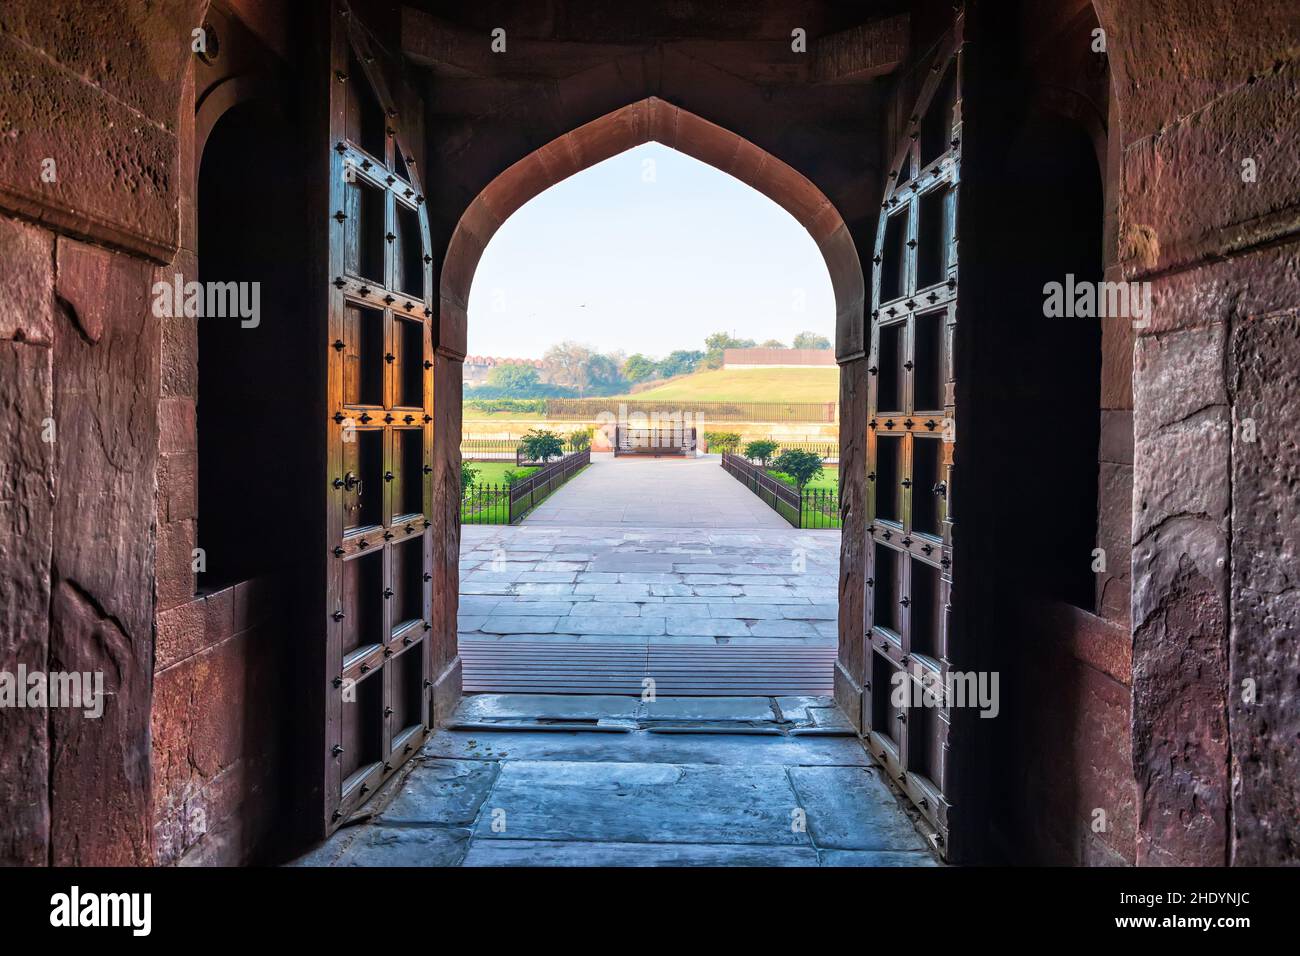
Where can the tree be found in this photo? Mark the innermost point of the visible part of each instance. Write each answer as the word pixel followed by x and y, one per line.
pixel 802 466
pixel 567 364
pixel 773 344
pixel 468 475
pixel 576 365
pixel 516 381
pixel 541 445
pixel 602 375
pixel 680 362
pixel 638 368
pixel 717 343
pixel 811 340
pixel 760 450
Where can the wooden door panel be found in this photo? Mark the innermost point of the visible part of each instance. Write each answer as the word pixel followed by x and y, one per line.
pixel 380 436
pixel 910 449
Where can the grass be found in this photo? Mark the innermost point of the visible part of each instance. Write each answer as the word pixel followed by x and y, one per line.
pixel 749 385
pixel 494 472
pixel 829 479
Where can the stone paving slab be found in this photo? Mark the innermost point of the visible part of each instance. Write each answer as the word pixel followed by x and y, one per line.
pixel 641 803
pixel 483 708
pixel 480 744
pixel 441 793
pixel 554 853
pixel 482 797
pixel 850 808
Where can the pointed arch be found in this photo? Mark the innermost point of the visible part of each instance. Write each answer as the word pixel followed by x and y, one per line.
pixel 641 122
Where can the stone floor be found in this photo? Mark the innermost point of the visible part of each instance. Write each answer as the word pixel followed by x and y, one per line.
pixel 602 584
pixel 611 781
pixel 668 492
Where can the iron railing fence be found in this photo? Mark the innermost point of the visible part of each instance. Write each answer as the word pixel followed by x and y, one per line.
pixel 489 449
pixel 485 504
pixel 592 409
pixel 528 493
pixel 778 496
pixel 820 508
pixel 501 449
pixel 507 503
pixel 828 452
pixel 814 508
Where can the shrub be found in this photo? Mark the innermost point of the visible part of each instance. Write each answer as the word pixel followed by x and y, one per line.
pixel 541 445
pixel 722 441
pixel 760 450
pixel 468 475
pixel 513 405
pixel 802 466
pixel 581 439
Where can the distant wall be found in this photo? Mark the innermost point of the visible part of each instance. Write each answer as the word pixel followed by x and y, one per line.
pixel 778 358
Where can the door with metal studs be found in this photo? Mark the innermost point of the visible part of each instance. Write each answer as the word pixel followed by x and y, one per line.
pixel 379 435
pixel 910 449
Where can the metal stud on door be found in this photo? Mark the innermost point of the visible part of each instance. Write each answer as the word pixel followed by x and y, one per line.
pixel 379 352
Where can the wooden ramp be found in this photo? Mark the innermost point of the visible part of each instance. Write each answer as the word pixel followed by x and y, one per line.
pixel 518 667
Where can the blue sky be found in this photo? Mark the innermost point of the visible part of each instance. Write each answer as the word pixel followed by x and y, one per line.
pixel 648 251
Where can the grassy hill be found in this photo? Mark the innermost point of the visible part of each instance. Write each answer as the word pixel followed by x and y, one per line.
pixel 749 385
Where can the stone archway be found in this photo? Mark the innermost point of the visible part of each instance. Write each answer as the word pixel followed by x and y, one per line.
pixel 643 121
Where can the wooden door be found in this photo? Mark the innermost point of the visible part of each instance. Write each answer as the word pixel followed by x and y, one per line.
pixel 379 436
pixel 911 444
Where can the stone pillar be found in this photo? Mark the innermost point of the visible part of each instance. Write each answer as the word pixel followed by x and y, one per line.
pixel 448 367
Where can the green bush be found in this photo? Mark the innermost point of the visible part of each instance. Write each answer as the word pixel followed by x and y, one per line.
pixel 802 466
pixel 468 475
pixel 722 441
pixel 541 445
pixel 518 405
pixel 760 450
pixel 581 439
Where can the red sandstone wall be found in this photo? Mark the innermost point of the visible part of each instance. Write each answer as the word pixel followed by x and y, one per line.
pixel 1202 87
pixel 77 541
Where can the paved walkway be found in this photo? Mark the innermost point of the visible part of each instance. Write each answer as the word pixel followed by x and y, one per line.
pixel 685 586
pixel 649 568
pixel 601 781
pixel 655 493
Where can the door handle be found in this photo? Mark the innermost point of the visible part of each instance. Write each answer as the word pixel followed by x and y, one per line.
pixel 351 481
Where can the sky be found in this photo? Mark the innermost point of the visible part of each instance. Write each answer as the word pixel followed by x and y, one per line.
pixel 648 251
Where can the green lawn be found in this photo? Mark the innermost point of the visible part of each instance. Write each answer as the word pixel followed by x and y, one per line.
pixel 749 385
pixel 494 472
pixel 829 478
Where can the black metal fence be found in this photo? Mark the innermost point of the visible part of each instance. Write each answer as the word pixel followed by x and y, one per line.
pixel 528 493
pixel 820 508
pixel 590 409
pixel 828 452
pixel 485 504
pixel 489 449
pixel 813 508
pixel 502 449
pixel 507 503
